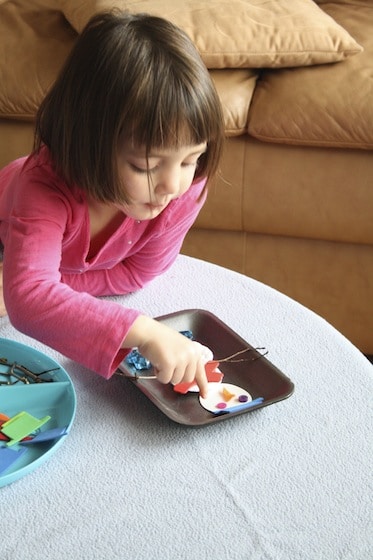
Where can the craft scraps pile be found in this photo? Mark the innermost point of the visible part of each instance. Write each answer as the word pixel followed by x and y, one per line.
pixel 23 430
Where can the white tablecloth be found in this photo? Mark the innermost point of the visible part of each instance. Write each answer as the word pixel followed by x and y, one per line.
pixel 291 481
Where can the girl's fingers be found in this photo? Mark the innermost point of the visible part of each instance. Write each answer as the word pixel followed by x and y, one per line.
pixel 201 380
pixel 164 375
pixel 181 372
pixel 207 355
pixel 201 377
pixel 192 371
pixel 175 358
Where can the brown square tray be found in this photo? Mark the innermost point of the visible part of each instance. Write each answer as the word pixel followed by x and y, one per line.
pixel 259 376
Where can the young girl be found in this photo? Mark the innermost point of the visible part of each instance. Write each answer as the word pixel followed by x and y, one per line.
pixel 125 141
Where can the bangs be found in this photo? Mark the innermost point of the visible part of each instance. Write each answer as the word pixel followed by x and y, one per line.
pixel 176 113
pixel 179 120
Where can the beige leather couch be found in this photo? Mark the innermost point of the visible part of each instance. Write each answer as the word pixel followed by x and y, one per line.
pixel 293 206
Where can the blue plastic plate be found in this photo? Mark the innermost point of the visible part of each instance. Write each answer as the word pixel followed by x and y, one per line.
pixel 56 399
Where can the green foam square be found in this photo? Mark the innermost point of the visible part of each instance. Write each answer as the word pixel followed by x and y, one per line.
pixel 21 426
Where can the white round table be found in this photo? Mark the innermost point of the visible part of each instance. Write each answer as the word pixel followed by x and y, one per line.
pixel 291 481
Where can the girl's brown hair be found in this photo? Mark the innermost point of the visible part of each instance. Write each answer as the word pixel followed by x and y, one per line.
pixel 128 76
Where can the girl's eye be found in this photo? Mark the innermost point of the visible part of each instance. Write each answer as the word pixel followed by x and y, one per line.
pixel 141 170
pixel 190 164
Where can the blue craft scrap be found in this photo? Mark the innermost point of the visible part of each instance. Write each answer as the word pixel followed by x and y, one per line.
pixel 47 435
pixel 138 362
pixel 240 407
pixel 9 456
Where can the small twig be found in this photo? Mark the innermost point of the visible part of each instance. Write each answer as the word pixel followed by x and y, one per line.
pixel 28 374
pixel 229 358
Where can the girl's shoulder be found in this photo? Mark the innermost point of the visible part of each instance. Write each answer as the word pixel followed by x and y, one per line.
pixel 40 164
pixel 37 171
pixel 32 166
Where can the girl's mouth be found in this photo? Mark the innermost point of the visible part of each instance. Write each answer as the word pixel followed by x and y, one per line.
pixel 156 206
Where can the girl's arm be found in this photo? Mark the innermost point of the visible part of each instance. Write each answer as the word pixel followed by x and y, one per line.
pixel 91 331
pixel 34 220
pixel 2 304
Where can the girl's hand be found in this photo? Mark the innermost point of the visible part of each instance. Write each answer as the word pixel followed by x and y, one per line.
pixel 174 357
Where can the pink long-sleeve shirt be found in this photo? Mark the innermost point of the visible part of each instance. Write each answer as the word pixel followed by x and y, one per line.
pixel 50 285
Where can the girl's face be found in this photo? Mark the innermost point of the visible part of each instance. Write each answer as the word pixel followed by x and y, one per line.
pixel 151 189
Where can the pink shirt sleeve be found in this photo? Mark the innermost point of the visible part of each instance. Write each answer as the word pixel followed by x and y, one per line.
pixel 50 288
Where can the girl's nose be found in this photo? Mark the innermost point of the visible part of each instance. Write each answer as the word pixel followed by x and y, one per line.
pixel 169 182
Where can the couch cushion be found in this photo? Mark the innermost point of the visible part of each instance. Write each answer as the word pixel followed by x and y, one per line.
pixel 241 33
pixel 235 89
pixel 35 39
pixel 323 105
